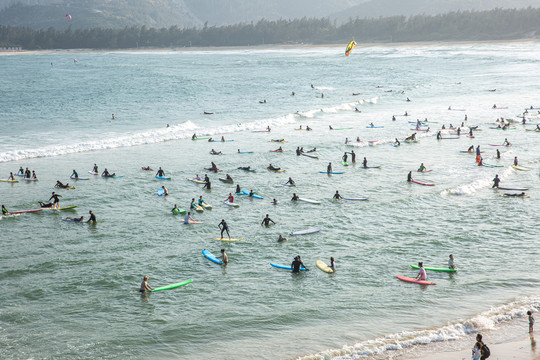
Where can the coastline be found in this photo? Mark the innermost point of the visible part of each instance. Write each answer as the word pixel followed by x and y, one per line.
pixel 270 47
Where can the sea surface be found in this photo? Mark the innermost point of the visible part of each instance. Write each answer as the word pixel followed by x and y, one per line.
pixel 70 290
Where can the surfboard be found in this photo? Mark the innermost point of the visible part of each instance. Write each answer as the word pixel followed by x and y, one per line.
pixel 73 220
pixel 374 127
pixel 191 221
pixel 163 177
pixel 245 152
pixel 307 231
pixel 198 208
pixel 61 208
pixel 309 201
pixel 516 189
pixel 414 281
pixel 173 286
pixel 512 196
pixel 254 195
pixel 9 181
pixel 434 269
pixel 27 179
pixel 228 240
pixel 371 167
pixel 520 168
pixel 24 211
pixel 229 181
pixel 422 183
pixel 197 181
pixel 288 184
pixel 278 170
pixel 285 267
pixel 332 172
pixel 202 138
pixel 345 163
pixel 161 192
pixel 423 171
pixel 207 206
pixel 345 128
pixel 207 254
pixel 355 199
pixel 322 266
pixel 310 156
pixel 221 140
pixel 78 178
pixel 112 176
pixel 231 204
pixel 275 150
pixel 93 172
pixel 491 165
pixel 178 211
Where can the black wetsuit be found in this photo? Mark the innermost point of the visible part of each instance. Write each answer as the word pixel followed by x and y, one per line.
pixel 266 221
pixel 496 182
pixel 92 218
pixel 55 198
pixel 296 265
pixel 160 173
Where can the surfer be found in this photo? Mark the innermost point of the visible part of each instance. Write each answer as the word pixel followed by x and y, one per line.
pixel 45 205
pixel 506 142
pixel 409 176
pixel 337 196
pixel 194 136
pixel 224 258
pixel 238 190
pixel 188 217
pixel 330 127
pixel 408 100
pixel 422 273
pixel 144 285
pixel 95 169
pixel 344 157
pixel 165 191
pixel 498 154
pixel 371 125
pixel 27 174
pixel 451 264
pixel 356 110
pixel 281 238
pixel 298 152
pixel 422 168
pixel 275 202
pixel 312 150
pixel 290 181
pixel 160 172
pixel 55 199
pixel 294 197
pixel 210 140
pixel 332 263
pixel 224 227
pixel 214 152
pixel 471 148
pixel 222 139
pixel 516 195
pixel 21 171
pixel 308 128
pixel 34 174
pixel 105 173
pixel 213 167
pixel 60 185
pixel 515 161
pixel 175 209
pixel 297 263
pixel 266 221
pixel 74 175
pixel 364 163
pixel 92 217
pixel 228 177
pixel 4 210
pixel 270 167
pixel 477 150
pixel 397 142
pixel 496 181
pixel 246 168
pixel 393 118
pixel 75 219
pixel 11 177
pixel 113 117
pixel 480 160
pixel 207 184
pixel 329 168
pixel 230 198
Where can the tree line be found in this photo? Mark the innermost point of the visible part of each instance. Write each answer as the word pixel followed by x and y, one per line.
pixel 497 24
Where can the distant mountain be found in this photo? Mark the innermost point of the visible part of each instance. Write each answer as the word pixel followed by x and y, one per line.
pixel 385 8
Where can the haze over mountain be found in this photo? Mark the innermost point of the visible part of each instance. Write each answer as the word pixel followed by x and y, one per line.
pixel 42 14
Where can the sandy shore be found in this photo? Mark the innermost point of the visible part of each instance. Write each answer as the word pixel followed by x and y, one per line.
pixel 269 47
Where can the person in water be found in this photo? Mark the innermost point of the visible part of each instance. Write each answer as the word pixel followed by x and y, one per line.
pixel 207 184
pixel 175 209
pixel 194 136
pixel 281 238
pixel 95 169
pixel 329 168
pixel 337 196
pixel 4 210
pixel 214 152
pixel 451 264
pixel 496 181
pixel 193 205
pixel 222 139
pixel 353 156
pixel 422 272
pixel 522 194
pixel 308 128
pixel 228 177
pixel 409 176
pixel 75 219
pixel 224 228
pixel 397 142
pixel 34 176
pixel 92 217
pixel 332 263
pixel 422 168
pixel 21 171
pixel 295 197
pixel 330 127
pixel 55 198
pixel 393 118
pixel 59 184
pixel 213 166
pixel 275 202
pixel 144 285
pixel 364 163
pixel 160 172
pixel 230 198
pixel 188 218
pixel 297 263
pixel 270 167
pixel 105 173
pixel 201 201
pixel 166 191
pixel 290 181
pixel 515 161
pixel 506 142
pixel 74 175
pixel 344 157
pixel 266 221
pixel 224 258
pixel 471 148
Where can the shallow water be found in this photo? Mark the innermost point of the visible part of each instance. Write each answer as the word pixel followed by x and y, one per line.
pixel 78 282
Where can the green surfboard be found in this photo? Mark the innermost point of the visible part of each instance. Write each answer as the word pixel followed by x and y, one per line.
pixel 173 286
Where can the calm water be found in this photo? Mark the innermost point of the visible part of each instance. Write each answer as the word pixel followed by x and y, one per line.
pixel 70 290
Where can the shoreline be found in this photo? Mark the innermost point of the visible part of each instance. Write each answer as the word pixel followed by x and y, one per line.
pixel 271 47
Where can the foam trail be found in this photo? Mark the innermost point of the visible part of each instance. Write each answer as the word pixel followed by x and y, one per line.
pixel 479 184
pixel 398 341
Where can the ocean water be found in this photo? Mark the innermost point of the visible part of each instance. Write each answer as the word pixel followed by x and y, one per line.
pixel 71 290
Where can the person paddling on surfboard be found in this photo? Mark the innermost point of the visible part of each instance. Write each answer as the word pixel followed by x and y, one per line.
pixel 75 219
pixel 145 286
pixel 224 227
pixel 422 273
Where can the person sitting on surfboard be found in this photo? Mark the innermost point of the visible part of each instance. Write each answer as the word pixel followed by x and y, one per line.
pixel 397 142
pixel 421 168
pixel 160 172
pixel 224 258
pixel 364 163
pixel 145 286
pixel 297 262
pixel 74 174
pixel 4 210
pixel 194 136
pixel 175 209
pixel 422 273
pixel 92 217
pixel 496 181
pixel 192 205
pixel 228 177
pixel 295 197
pixel 337 196
pixel 451 264
pixel 224 227
pixel 506 142
pixel 230 198
pixel 515 161
pixel 290 181
pixel 201 201
pixel 95 169
pixel 308 128
pixel 21 171
pixel 266 221
pixel 222 139
pixel 213 167
pixel 188 217
pixel 11 176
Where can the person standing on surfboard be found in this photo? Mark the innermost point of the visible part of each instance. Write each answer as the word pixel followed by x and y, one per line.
pixel 422 273
pixel 409 176
pixel 145 286
pixel 55 199
pixel 224 227
pixel 364 163
pixel 329 168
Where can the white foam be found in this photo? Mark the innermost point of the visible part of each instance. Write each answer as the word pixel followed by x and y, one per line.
pixel 478 184
pixel 398 341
